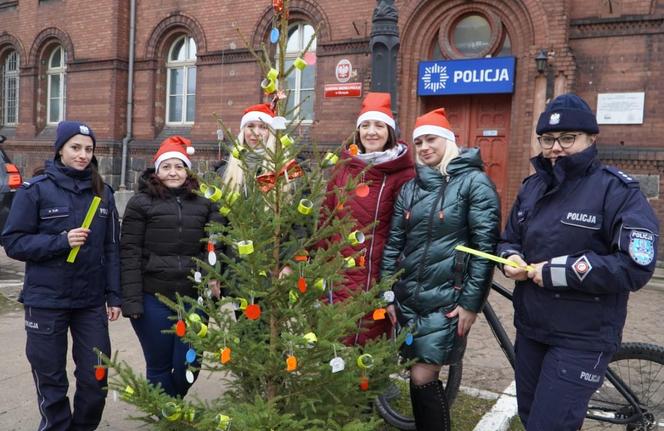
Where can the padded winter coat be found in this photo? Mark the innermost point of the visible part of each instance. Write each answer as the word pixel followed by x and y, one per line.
pixel 425 229
pixel 160 236
pixel 384 181
pixel 45 208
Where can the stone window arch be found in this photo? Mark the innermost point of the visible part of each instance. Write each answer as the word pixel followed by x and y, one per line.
pixel 171 31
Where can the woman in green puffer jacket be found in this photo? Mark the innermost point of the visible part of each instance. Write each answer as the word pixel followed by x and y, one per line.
pixel 438 295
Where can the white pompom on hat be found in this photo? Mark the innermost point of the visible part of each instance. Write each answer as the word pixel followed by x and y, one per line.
pixel 262 112
pixel 377 106
pixel 174 147
pixel 434 123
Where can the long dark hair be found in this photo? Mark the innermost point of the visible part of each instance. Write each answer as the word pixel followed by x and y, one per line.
pixel 391 139
pixel 96 179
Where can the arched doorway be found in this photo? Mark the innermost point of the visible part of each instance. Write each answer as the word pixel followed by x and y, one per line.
pixel 479 116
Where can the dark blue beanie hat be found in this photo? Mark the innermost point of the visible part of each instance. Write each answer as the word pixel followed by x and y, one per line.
pixel 567 112
pixel 67 129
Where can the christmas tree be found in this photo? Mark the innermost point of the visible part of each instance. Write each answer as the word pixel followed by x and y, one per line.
pixel 279 354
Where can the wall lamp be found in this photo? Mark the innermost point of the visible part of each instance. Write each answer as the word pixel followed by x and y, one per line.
pixel 541 60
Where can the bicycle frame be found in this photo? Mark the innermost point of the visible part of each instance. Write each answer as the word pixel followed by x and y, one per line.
pixel 508 348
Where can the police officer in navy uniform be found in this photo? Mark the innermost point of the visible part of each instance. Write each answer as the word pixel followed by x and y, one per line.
pixel 589 237
pixel 44 224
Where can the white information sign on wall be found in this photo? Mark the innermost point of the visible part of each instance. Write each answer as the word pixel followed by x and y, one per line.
pixel 620 108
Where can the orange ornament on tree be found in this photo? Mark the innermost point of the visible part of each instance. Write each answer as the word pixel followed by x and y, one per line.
pixel 302 284
pixel 253 311
pixel 100 373
pixel 180 328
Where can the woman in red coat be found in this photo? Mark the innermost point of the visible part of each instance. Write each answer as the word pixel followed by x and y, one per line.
pixel 378 161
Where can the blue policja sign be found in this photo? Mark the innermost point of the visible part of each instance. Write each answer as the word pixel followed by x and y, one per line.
pixel 475 76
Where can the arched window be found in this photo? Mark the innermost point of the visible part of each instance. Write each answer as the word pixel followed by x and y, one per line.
pixel 57 86
pixel 10 82
pixel 301 83
pixel 181 81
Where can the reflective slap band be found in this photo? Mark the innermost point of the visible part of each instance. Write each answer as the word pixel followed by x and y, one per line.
pixel 365 361
pixel 272 74
pixel 268 85
pixel 245 247
pixel 305 207
pixel 232 197
pixel 356 237
pixel 286 141
pixel 330 159
pixel 213 193
pixel 558 268
pixel 202 332
pixel 300 63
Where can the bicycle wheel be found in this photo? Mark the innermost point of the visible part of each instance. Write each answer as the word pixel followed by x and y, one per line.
pixel 394 405
pixel 641 368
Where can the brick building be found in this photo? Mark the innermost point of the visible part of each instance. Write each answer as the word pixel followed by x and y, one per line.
pixel 69 59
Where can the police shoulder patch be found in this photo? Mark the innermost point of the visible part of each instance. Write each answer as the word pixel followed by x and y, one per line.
pixel 34 180
pixel 641 247
pixel 623 176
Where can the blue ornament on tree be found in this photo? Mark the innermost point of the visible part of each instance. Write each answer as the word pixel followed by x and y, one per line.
pixel 274 35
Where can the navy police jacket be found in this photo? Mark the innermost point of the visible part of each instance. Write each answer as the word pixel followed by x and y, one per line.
pixel 45 208
pixel 598 235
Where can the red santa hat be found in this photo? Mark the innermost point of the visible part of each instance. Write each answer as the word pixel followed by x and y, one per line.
pixel 377 106
pixel 262 112
pixel 174 147
pixel 434 123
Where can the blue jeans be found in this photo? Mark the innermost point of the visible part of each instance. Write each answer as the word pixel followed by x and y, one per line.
pixel 164 353
pixel 46 349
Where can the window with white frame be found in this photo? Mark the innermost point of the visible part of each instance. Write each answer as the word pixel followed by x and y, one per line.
pixel 10 83
pixel 181 82
pixel 57 88
pixel 301 83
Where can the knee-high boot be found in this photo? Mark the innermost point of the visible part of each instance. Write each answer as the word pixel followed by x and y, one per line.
pixel 430 407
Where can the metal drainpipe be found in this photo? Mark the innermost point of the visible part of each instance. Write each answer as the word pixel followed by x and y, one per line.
pixel 130 94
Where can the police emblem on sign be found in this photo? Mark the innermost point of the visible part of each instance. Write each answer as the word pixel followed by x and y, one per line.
pixel 641 247
pixel 554 119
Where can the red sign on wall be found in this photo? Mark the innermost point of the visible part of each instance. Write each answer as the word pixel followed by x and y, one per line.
pixel 352 89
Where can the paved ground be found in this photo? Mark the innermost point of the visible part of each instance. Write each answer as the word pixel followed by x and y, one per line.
pixel 485 367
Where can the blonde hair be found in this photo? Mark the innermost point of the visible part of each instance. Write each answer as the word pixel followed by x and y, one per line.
pixel 451 152
pixel 233 177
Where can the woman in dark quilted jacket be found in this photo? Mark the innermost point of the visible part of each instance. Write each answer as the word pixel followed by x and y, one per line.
pixel 439 293
pixel 381 165
pixel 161 232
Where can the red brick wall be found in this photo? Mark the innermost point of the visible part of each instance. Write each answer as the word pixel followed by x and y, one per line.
pixel 591 50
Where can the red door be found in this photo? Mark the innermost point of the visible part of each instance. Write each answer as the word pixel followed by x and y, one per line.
pixel 481 120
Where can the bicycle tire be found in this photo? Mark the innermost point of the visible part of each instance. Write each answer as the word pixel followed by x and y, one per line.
pixel 397 394
pixel 641 367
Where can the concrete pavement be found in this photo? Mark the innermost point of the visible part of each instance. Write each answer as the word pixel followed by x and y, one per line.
pixel 485 366
pixel 18 399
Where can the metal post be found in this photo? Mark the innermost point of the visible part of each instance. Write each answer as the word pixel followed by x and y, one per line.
pixel 384 47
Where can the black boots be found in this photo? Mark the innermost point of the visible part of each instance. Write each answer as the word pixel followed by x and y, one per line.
pixel 430 407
